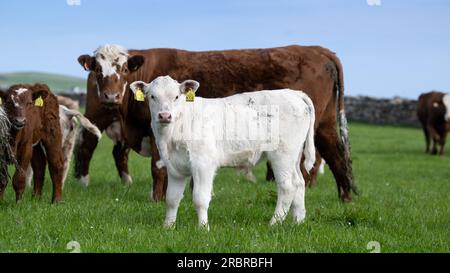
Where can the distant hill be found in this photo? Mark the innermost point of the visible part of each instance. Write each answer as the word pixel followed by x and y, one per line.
pixel 57 83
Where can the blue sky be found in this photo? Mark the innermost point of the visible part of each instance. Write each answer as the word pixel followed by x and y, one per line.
pixel 401 47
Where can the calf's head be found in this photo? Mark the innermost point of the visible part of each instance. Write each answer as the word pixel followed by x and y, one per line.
pixel 166 97
pixel 111 65
pixel 19 99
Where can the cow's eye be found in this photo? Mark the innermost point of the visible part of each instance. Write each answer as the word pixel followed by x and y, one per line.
pixel 176 97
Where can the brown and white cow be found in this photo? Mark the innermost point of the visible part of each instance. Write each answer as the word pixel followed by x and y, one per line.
pixel 314 69
pixel 33 111
pixel 433 111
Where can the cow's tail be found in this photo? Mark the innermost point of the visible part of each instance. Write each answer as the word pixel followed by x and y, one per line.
pixel 309 151
pixel 342 118
pixel 85 123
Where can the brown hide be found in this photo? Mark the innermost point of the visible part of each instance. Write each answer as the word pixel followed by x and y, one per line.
pixel 41 128
pixel 431 114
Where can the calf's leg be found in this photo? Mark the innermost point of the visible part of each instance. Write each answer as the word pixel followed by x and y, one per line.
pixel 175 192
pixel 38 164
pixel 203 181
pixel 24 154
pixel 55 166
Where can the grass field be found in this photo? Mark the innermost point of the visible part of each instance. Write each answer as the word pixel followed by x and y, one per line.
pixel 56 82
pixel 404 205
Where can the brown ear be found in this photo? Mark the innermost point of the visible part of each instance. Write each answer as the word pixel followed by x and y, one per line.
pixel 3 95
pixel 87 62
pixel 135 62
pixel 39 90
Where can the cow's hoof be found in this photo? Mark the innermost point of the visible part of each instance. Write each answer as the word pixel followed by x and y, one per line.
pixel 204 227
pixel 126 179
pixel 150 197
pixel 84 180
pixel 169 225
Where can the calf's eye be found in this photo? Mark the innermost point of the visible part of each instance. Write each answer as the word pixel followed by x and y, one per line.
pixel 153 97
pixel 176 97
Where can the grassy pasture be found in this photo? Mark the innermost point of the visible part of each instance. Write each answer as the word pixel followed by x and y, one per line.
pixel 404 205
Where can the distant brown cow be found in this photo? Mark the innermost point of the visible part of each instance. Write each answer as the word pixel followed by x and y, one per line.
pixel 433 111
pixel 314 69
pixel 34 115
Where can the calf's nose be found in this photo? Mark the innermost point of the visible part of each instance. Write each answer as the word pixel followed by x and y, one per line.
pixel 164 117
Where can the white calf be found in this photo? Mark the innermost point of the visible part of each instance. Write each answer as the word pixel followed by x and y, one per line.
pixel 195 138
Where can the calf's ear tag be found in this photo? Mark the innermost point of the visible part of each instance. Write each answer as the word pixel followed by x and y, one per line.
pixel 190 95
pixel 139 95
pixel 39 102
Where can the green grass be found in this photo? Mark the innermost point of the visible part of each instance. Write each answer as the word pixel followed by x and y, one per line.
pixel 404 205
pixel 56 82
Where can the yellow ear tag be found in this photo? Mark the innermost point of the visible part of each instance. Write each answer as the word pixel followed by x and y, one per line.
pixel 39 102
pixel 190 95
pixel 139 95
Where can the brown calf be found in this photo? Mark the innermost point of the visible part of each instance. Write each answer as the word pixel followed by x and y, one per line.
pixel 433 110
pixel 34 124
pixel 314 69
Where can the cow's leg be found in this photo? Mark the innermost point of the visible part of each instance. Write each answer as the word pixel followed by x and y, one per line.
pixel 159 175
pixel 201 195
pixel 427 138
pixel 331 149
pixel 442 142
pixel 84 149
pixel 298 204
pixel 120 153
pixel 3 184
pixel 38 164
pixel 175 191
pixel 23 160
pixel 55 166
pixel 435 137
pixel 286 189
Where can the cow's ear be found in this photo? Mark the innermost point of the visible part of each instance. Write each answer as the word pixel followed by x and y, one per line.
pixel 139 85
pixel 87 62
pixel 189 84
pixel 135 62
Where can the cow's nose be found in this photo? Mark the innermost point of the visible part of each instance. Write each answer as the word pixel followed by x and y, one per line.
pixel 111 98
pixel 164 117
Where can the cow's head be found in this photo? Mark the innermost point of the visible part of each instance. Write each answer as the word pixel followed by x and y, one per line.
pixel 18 99
pixel 446 102
pixel 111 65
pixel 166 97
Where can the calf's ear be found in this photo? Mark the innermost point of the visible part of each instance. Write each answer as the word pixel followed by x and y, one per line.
pixel 189 84
pixel 135 62
pixel 87 62
pixel 139 85
pixel 2 96
pixel 39 90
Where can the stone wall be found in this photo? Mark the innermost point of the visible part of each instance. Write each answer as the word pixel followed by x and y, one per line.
pixel 395 111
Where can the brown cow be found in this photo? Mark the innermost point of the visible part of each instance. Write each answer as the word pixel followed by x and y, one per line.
pixel 314 69
pixel 433 111
pixel 34 123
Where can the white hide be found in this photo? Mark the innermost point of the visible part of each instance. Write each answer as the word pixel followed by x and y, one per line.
pixel 446 102
pixel 235 131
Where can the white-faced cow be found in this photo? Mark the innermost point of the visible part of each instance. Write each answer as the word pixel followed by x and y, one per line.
pixel 197 136
pixel 433 111
pixel 110 104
